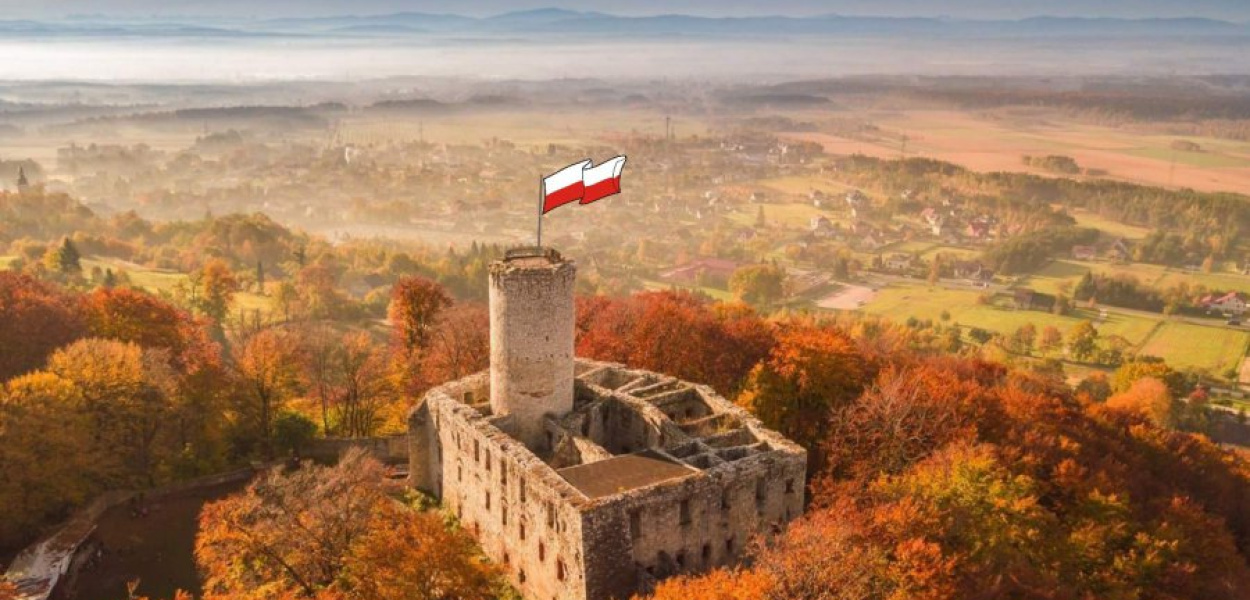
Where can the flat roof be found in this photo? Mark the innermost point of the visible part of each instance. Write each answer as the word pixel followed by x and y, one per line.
pixel 624 473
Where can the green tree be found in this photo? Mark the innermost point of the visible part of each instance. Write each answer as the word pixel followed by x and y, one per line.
pixel 66 259
pixel 758 284
pixel 292 431
pixel 1083 341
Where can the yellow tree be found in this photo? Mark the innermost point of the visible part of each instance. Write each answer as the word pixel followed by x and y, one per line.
pixel 45 462
pixel 128 394
pixel 408 555
pixel 267 367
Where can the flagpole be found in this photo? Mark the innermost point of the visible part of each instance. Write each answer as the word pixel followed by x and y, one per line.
pixel 541 185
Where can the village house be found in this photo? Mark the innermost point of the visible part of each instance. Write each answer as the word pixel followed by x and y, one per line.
pixel 898 262
pixel 1232 303
pixel 1120 251
pixel 821 226
pixel 702 271
pixel 1084 252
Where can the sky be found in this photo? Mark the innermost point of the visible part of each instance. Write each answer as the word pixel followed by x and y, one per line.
pixel 1233 10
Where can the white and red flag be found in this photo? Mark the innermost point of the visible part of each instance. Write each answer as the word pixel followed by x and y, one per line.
pixel 580 182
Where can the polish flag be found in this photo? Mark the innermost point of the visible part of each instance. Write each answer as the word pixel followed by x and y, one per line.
pixel 603 181
pixel 581 182
pixel 564 186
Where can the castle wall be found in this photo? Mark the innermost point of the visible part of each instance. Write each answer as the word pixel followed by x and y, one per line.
pixel 525 516
pixel 557 542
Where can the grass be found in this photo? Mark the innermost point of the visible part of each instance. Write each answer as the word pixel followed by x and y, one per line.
pixel 804 184
pixel 1182 345
pixel 792 215
pixel 1109 227
pixel 1188 345
pixel 1049 279
pixel 1205 160
pixel 715 293
pixel 951 251
pixel 901 301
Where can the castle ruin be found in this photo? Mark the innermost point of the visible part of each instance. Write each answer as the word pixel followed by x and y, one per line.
pixel 588 480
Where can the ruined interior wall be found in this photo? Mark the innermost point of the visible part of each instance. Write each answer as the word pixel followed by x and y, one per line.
pixel 690 525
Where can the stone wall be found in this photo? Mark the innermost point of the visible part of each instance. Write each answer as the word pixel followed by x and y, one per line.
pixel 559 542
pixel 525 516
pixel 388 449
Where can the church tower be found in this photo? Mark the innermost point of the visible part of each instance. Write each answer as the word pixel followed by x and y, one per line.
pixel 531 341
pixel 22 183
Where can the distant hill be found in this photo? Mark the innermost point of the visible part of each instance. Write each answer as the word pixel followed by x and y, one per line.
pixel 567 22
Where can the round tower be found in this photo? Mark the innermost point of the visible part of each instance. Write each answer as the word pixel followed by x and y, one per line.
pixel 531 341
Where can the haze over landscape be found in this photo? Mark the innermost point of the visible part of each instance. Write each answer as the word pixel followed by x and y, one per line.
pixel 890 300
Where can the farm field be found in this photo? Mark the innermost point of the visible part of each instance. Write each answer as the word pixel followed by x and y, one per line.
pixel 791 215
pixel 715 293
pixel 998 140
pixel 1184 345
pixel 1110 228
pixel 1050 278
pixel 1187 345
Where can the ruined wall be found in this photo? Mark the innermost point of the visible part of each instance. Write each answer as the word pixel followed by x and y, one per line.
pixel 531 328
pixel 557 543
pixel 525 516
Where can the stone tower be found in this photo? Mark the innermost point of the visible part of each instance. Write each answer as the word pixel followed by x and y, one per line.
pixel 531 341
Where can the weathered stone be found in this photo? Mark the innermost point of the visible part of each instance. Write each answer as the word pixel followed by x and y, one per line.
pixel 635 477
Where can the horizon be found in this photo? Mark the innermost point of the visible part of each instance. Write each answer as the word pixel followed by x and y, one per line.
pixel 1225 10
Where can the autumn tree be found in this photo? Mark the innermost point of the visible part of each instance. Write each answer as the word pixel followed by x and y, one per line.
pixel 1150 398
pixel 1083 341
pixel 334 532
pixel 128 395
pixel 408 555
pixel 722 341
pixel 1051 340
pixel 46 462
pixel 758 284
pixel 288 532
pixel 415 305
pixel 363 389
pixel 810 372
pixel 458 345
pixel 211 289
pixel 1023 338
pixel 37 317
pixel 267 368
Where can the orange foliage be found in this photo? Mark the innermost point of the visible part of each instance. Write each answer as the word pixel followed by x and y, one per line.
pixel 676 333
pixel 1148 397
pixel 38 318
pixel 810 372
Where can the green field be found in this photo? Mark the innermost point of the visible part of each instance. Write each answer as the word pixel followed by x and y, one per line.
pixel 1182 345
pixel 715 293
pixel 1206 160
pixel 1109 227
pixel 791 215
pixel 1187 345
pixel 1049 278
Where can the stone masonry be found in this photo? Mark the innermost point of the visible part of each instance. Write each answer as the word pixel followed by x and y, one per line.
pixel 589 480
